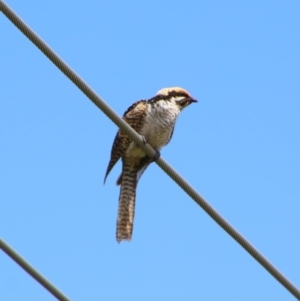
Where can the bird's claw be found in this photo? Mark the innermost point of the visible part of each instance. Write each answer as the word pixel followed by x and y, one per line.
pixel 144 139
pixel 156 157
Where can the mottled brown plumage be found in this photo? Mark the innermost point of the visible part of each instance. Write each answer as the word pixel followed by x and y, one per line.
pixel 154 119
pixel 134 116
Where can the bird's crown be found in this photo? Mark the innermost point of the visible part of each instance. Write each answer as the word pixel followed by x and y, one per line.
pixel 173 91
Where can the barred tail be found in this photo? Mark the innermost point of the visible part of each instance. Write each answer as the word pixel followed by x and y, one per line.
pixel 126 203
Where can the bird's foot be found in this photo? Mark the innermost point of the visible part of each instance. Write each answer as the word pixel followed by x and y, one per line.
pixel 156 157
pixel 144 139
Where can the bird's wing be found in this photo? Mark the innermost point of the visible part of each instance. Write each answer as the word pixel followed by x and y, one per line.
pixel 134 116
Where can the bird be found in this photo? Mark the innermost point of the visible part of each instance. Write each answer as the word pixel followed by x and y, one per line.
pixel 154 119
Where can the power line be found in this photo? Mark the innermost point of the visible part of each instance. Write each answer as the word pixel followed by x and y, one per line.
pixel 148 149
pixel 32 271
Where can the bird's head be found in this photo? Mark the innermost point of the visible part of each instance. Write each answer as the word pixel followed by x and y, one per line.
pixel 177 95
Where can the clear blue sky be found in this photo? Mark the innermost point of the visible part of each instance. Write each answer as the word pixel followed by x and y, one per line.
pixel 239 147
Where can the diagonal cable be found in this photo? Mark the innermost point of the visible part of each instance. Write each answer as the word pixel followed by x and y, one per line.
pixel 148 149
pixel 32 271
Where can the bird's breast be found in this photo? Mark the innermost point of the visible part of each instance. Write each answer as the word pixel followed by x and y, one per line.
pixel 159 123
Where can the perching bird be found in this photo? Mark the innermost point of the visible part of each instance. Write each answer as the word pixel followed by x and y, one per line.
pixel 154 119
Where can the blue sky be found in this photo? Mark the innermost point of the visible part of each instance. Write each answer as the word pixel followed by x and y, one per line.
pixel 238 146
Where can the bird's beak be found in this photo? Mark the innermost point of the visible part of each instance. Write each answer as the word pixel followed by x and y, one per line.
pixel 193 100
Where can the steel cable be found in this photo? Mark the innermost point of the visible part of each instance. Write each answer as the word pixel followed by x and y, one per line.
pixel 148 149
pixel 32 271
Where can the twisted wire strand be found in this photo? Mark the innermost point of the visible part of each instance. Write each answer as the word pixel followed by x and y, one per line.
pixel 148 149
pixel 32 271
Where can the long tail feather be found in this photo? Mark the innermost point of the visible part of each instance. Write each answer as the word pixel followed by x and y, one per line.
pixel 126 203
